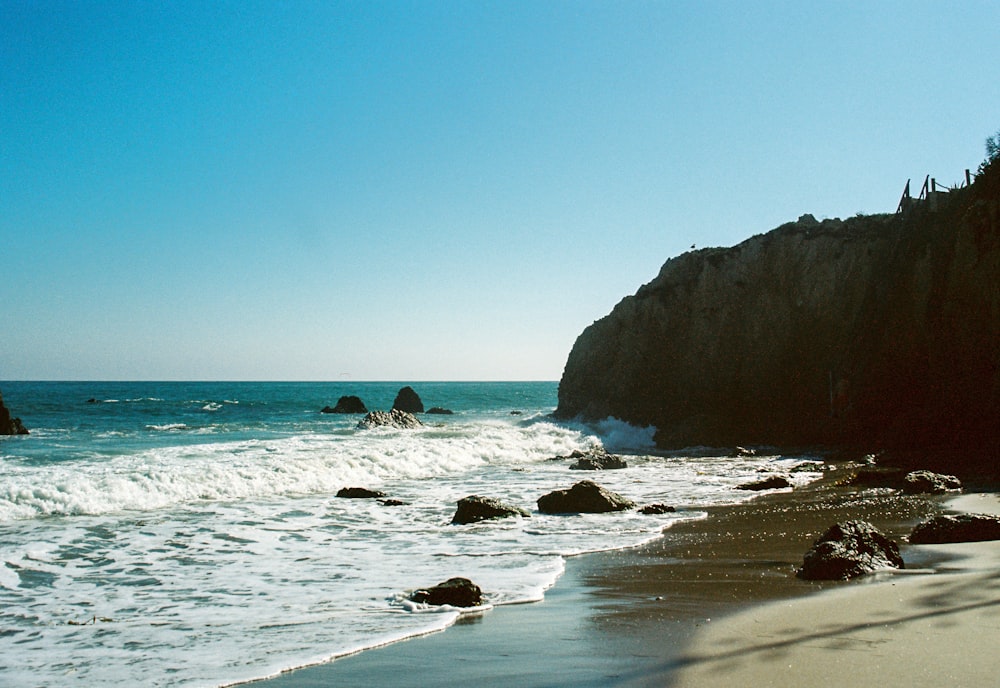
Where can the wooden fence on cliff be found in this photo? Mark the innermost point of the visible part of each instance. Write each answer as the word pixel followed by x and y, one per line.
pixel 929 192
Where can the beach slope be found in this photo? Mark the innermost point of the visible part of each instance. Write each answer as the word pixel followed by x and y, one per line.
pixel 917 628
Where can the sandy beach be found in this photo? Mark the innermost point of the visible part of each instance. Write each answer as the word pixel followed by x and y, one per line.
pixel 932 627
pixel 716 601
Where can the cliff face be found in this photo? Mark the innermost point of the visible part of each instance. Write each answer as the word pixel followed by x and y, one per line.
pixel 878 331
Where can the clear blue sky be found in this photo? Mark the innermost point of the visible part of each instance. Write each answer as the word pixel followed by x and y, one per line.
pixel 434 190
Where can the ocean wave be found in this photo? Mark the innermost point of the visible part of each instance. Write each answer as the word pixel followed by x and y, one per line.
pixel 159 477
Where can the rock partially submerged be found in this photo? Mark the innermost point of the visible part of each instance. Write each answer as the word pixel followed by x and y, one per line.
pixel 848 550
pixel 347 404
pixel 408 400
pixel 10 425
pixel 457 592
pixel 958 528
pixel 474 508
pixel 586 497
pixel 393 419
pixel 595 459
pixel 653 509
pixel 773 482
pixel 359 493
pixel 437 410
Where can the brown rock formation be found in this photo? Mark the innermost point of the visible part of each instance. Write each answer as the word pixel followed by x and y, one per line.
pixel 876 331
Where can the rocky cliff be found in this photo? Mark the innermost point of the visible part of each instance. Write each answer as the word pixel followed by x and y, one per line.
pixel 877 331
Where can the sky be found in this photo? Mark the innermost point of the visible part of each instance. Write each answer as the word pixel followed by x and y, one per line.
pixel 260 190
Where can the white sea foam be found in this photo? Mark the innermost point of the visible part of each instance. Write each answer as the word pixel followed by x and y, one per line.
pixel 201 561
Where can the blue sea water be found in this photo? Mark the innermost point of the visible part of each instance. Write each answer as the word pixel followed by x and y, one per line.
pixel 188 533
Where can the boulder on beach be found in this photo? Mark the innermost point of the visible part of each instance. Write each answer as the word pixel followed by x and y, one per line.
pixel 8 424
pixel 914 482
pixel 871 476
pixel 595 459
pixel 773 482
pixel 474 508
pixel 848 550
pixel 347 404
pixel 457 592
pixel 359 493
pixel 586 497
pixel 921 482
pixel 408 400
pixel 958 528
pixel 393 419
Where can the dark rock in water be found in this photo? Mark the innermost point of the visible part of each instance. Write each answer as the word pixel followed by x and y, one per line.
pixel 652 509
pixel 474 508
pixel 878 330
pixel 774 482
pixel 515 413
pixel 437 410
pixel 596 459
pixel 347 404
pixel 391 502
pixel 92 400
pixel 408 400
pixel 920 482
pixel 8 424
pixel 457 592
pixel 394 418
pixel 359 493
pixel 586 497
pixel 960 528
pixel 848 550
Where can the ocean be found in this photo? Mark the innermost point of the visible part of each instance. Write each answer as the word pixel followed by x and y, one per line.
pixel 188 533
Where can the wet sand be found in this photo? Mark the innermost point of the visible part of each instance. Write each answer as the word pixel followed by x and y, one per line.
pixel 916 629
pixel 647 616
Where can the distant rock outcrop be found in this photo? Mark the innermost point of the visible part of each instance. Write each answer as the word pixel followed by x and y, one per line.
pixel 8 424
pixel 347 404
pixel 408 400
pixel 394 419
pixel 877 331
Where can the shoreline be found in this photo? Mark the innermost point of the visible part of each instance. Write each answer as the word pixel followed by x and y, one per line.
pixel 923 628
pixel 636 617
